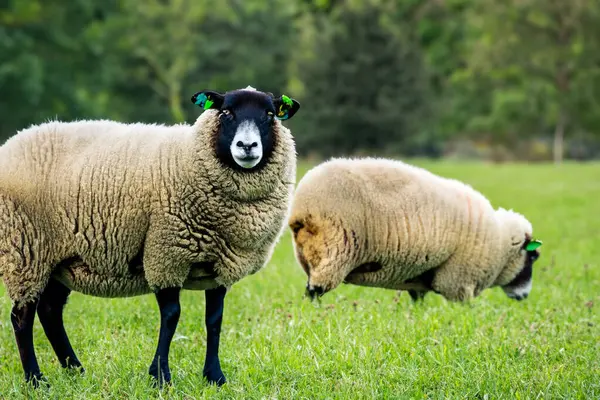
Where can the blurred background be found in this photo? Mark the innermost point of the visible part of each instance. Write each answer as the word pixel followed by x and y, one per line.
pixel 468 79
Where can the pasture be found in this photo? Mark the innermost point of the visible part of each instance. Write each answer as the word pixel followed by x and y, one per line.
pixel 363 342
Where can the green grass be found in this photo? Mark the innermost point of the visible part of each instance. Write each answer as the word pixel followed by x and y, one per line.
pixel 363 342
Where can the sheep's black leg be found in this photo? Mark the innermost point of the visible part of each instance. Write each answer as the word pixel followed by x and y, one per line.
pixel 22 322
pixel 168 302
pixel 425 279
pixel 416 295
pixel 215 302
pixel 50 312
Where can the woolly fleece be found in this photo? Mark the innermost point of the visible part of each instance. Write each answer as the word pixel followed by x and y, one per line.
pixel 88 201
pixel 350 212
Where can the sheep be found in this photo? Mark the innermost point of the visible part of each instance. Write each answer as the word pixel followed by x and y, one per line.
pixel 384 223
pixel 115 210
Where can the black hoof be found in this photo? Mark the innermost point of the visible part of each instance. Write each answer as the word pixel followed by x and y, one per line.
pixel 416 296
pixel 160 379
pixel 161 383
pixel 215 377
pixel 73 365
pixel 37 380
pixel 75 369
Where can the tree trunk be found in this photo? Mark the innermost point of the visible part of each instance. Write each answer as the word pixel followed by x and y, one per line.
pixel 559 134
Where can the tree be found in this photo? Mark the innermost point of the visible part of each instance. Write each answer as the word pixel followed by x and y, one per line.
pixel 176 47
pixel 44 58
pixel 165 37
pixel 535 51
pixel 364 86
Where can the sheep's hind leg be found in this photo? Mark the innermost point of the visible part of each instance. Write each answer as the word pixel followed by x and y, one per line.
pixel 22 321
pixel 416 296
pixel 425 279
pixel 170 310
pixel 50 311
pixel 215 303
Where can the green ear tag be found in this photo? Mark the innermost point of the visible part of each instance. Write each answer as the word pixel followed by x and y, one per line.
pixel 287 100
pixel 204 101
pixel 533 245
pixel 200 100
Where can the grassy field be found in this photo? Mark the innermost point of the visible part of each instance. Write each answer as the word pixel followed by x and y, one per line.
pixel 362 342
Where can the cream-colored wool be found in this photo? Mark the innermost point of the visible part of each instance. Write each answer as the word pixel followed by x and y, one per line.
pixel 107 192
pixel 350 212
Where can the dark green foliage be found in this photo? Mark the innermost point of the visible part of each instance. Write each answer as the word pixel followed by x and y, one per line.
pixel 45 62
pixel 385 77
pixel 366 90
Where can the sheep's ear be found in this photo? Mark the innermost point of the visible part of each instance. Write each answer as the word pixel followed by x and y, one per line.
pixel 208 100
pixel 533 245
pixel 285 107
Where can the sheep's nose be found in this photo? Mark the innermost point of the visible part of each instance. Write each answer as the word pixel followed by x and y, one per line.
pixel 314 291
pixel 246 146
pixel 520 297
pixel 523 296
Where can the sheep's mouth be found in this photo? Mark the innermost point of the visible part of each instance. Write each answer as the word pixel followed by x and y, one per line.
pixel 248 157
pixel 247 161
pixel 364 268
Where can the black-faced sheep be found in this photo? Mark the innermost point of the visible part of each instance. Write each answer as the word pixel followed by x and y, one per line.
pixel 383 223
pixel 114 210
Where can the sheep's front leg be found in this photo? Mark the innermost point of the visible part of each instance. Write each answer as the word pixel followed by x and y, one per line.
pixel 215 302
pixel 50 312
pixel 22 321
pixel 168 303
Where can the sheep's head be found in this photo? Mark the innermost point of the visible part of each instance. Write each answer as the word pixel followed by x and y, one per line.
pixel 321 250
pixel 519 286
pixel 246 137
pixel 517 275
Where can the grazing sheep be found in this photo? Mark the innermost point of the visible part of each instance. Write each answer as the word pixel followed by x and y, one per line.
pixel 114 210
pixel 383 223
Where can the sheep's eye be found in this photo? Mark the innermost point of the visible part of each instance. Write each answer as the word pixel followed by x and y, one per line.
pixel 227 114
pixel 270 113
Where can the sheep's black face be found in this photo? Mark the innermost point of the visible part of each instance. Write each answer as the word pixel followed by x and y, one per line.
pixel 246 139
pixel 521 284
pixel 246 135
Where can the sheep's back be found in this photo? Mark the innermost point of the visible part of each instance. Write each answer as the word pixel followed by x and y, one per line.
pixel 401 215
pixel 88 185
pixel 51 157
